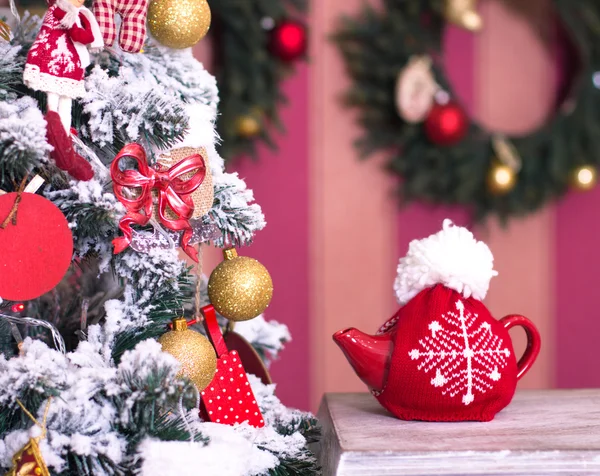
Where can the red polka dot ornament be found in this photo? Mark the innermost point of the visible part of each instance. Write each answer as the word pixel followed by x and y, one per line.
pixel 228 399
pixel 36 246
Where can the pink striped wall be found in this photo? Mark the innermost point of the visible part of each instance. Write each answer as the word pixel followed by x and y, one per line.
pixel 280 183
pixel 333 244
pixel 353 227
pixel 577 231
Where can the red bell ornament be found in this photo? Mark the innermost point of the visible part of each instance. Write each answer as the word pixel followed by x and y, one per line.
pixel 288 40
pixel 446 124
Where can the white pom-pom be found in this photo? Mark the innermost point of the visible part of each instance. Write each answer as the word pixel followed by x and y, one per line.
pixel 452 257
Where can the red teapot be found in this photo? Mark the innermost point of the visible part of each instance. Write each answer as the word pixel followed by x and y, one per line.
pixel 442 356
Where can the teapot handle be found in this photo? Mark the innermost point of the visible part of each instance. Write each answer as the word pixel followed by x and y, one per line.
pixel 534 341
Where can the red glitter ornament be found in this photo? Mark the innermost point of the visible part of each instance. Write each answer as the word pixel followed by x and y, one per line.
pixel 288 40
pixel 446 124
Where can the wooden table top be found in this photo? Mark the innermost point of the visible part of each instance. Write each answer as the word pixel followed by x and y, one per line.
pixel 540 432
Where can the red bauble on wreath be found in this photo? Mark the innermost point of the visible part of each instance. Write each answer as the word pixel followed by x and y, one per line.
pixel 446 124
pixel 288 40
pixel 36 246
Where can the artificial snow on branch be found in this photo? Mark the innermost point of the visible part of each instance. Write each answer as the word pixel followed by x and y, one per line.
pixel 23 145
pixel 117 403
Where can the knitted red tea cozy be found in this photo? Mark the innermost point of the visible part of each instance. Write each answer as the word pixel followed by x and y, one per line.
pixel 442 356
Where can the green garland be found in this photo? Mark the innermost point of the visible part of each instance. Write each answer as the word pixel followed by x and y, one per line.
pixel 248 74
pixel 377 46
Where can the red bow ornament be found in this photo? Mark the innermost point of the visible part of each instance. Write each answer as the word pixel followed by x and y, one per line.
pixel 134 189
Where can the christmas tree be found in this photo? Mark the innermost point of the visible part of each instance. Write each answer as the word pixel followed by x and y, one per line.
pixel 85 386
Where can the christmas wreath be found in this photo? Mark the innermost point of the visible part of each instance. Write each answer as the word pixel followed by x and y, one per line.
pixel 256 44
pixel 408 110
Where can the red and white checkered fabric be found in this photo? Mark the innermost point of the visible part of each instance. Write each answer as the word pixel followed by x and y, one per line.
pixel 133 25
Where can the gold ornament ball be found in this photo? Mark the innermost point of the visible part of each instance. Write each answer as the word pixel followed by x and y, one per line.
pixel 584 178
pixel 194 351
pixel 178 23
pixel 501 179
pixel 240 288
pixel 464 14
pixel 248 126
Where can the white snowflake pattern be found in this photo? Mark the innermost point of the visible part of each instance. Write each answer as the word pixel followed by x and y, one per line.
pixel 465 358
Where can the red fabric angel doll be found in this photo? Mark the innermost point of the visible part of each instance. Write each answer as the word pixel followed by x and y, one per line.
pixel 56 65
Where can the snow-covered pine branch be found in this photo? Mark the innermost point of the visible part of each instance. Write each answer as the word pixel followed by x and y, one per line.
pixel 23 145
pixel 127 109
pixel 12 62
pixel 177 72
pixel 113 419
pixel 234 213
pixel 93 213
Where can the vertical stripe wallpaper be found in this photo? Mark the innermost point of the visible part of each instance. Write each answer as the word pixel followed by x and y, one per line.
pixel 333 243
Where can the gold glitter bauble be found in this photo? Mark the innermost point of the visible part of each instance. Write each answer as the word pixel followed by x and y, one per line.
pixel 584 178
pixel 501 179
pixel 240 288
pixel 248 126
pixel 178 23
pixel 194 351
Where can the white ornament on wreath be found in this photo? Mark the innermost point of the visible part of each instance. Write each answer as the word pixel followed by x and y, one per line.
pixel 415 90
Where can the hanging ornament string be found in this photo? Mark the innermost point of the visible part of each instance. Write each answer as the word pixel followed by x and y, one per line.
pixel 197 314
pixel 14 11
pixel 4 31
pixel 12 215
pixel 29 459
pixel 34 420
pixel 91 154
pixel 32 187
pixel 184 414
pixel 506 153
pixel 59 342
pixel 173 192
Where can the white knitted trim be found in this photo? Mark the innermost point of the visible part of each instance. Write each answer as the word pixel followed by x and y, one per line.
pixel 452 257
pixel 35 79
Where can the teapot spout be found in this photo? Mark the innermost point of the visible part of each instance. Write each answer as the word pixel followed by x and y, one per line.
pixel 368 355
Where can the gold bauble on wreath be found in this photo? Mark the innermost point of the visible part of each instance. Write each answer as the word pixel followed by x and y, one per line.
pixel 240 288
pixel 463 13
pixel 501 179
pixel 584 178
pixel 194 351
pixel 248 126
pixel 178 23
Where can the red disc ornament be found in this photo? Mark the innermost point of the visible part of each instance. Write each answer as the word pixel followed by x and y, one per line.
pixel 36 246
pixel 288 40
pixel 446 124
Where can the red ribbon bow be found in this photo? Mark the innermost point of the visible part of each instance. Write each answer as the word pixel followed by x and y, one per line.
pixel 172 191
